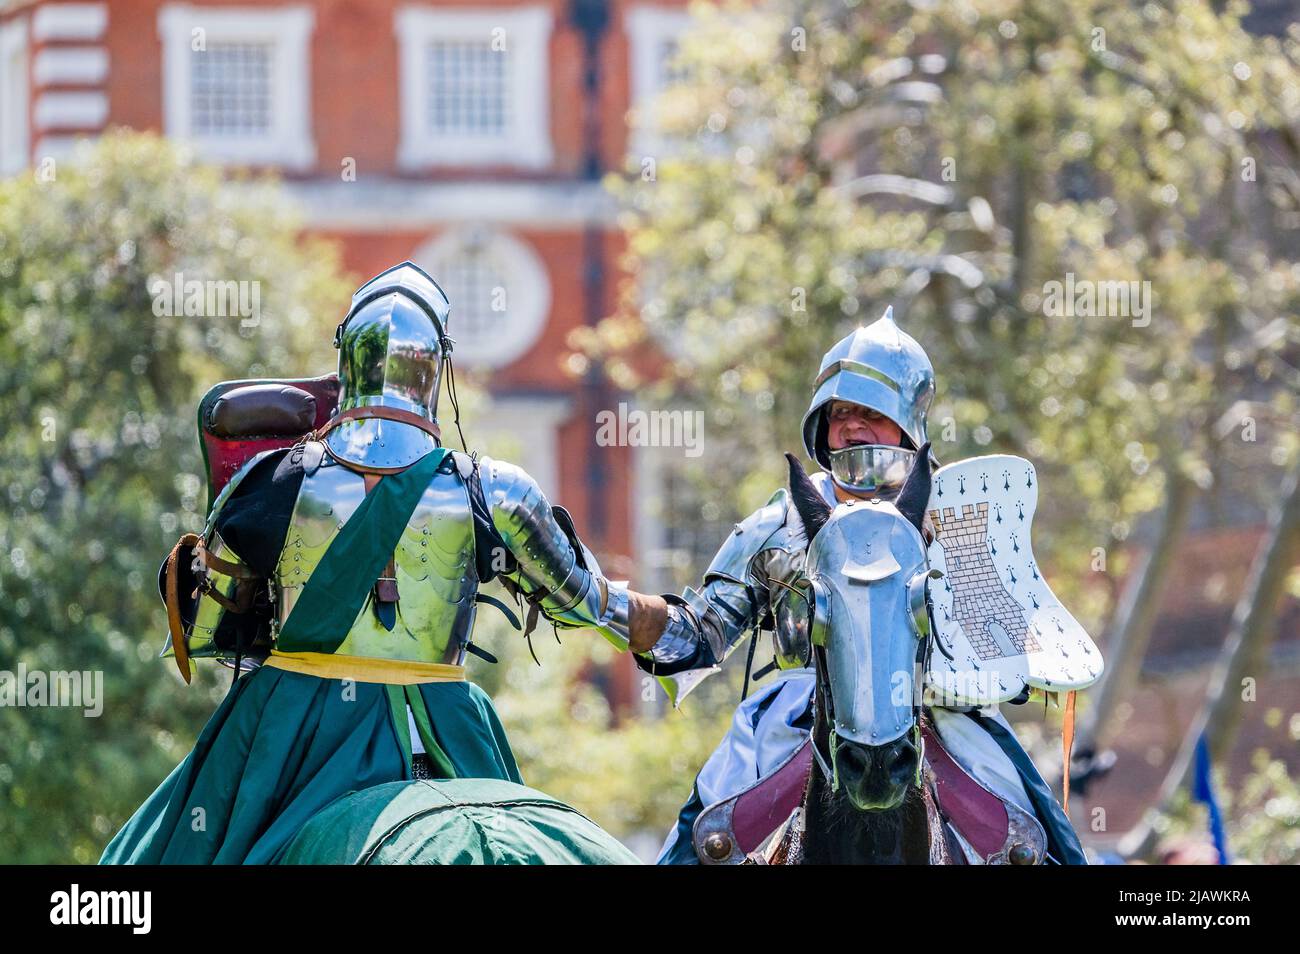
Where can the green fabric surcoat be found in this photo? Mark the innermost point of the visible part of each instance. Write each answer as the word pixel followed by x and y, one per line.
pixel 284 745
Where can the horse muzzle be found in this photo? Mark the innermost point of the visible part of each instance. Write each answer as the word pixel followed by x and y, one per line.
pixel 876 777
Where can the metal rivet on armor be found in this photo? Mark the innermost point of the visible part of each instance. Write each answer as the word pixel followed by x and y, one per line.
pixel 1021 854
pixel 717 846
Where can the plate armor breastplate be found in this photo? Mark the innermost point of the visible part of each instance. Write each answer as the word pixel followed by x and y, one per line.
pixel 436 575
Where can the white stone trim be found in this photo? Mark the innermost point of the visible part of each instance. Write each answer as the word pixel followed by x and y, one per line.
pixel 528 294
pixel 57 147
pixel 290 142
pixel 70 66
pixel 69 21
pixel 380 204
pixel 649 534
pixel 87 110
pixel 527 31
pixel 647 27
pixel 527 432
pixel 15 133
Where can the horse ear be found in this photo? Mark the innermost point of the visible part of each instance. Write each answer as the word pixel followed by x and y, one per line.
pixel 914 496
pixel 813 509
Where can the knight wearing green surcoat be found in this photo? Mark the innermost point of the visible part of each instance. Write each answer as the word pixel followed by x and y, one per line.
pixel 341 575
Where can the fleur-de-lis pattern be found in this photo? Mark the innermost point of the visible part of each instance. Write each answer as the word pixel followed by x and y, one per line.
pixel 1001 625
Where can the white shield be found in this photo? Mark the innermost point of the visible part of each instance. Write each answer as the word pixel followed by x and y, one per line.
pixel 998 625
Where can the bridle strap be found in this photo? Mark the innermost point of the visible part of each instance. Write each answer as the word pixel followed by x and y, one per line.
pixel 822 705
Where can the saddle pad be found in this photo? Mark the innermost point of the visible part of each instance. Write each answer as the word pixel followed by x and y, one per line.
pixel 233 430
pixel 728 831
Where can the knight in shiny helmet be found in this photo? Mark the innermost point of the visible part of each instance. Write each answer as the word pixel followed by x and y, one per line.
pixel 864 426
pixel 345 571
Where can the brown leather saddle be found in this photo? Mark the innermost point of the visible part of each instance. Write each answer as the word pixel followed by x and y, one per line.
pixel 987 828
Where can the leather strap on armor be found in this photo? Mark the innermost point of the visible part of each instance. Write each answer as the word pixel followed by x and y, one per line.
pixel 175 625
pixel 375 411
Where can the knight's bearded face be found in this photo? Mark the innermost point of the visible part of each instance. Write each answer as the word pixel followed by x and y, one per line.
pixel 852 424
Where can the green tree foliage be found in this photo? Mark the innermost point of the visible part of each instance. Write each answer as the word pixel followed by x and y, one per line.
pixel 1262 817
pixel 831 157
pixel 99 463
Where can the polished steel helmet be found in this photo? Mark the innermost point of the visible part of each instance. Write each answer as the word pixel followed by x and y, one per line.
pixel 882 368
pixel 392 345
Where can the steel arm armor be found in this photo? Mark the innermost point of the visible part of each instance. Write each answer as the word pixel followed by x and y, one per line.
pixel 706 625
pixel 562 577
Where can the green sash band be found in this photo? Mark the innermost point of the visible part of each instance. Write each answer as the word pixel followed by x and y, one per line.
pixel 399 699
pixel 336 592
pixel 442 764
pixel 401 725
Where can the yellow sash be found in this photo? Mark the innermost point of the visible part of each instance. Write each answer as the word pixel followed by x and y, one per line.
pixel 392 672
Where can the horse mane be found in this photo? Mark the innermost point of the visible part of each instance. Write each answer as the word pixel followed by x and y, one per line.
pixel 813 509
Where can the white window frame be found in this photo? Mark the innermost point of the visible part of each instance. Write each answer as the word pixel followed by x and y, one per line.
pixel 527 142
pixel 15 109
pixel 289 143
pixel 648 27
pixel 528 294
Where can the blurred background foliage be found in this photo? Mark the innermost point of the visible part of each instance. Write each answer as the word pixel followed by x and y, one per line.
pixel 831 158
pixel 99 461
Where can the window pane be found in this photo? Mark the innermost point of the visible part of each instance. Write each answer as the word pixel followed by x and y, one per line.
pixel 468 93
pixel 230 89
pixel 476 287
